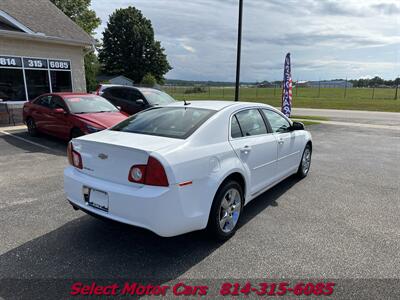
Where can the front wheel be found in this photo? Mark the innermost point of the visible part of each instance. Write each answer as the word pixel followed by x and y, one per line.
pixel 226 210
pixel 305 162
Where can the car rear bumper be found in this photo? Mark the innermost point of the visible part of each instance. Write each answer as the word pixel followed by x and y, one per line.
pixel 162 210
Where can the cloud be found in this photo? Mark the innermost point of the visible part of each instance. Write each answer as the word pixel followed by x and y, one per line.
pixel 387 8
pixel 188 48
pixel 324 36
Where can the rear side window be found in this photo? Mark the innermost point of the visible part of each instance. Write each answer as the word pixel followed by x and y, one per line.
pixel 236 132
pixel 173 122
pixel 117 92
pixel 250 122
pixel 43 101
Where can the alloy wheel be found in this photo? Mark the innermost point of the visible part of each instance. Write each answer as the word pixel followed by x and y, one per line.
pixel 230 209
pixel 306 161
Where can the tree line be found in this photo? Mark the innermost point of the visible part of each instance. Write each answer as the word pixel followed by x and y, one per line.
pixel 375 82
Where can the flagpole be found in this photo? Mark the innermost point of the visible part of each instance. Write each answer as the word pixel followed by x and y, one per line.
pixel 239 49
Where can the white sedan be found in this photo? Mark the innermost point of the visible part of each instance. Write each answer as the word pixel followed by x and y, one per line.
pixel 185 166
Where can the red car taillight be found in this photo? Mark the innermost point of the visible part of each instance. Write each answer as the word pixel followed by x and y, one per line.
pixel 151 174
pixel 74 158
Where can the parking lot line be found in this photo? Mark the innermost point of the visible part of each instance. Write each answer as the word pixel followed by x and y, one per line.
pixel 25 140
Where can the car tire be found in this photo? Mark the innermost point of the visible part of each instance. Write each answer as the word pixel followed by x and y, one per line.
pixel 32 129
pixel 75 133
pixel 226 211
pixel 305 162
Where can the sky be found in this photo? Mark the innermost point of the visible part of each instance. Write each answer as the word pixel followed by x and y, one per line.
pixel 327 39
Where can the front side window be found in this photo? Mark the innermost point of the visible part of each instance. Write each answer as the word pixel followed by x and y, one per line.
pixel 251 122
pixel 88 104
pixel 57 102
pixel 278 123
pixel 134 95
pixel 173 122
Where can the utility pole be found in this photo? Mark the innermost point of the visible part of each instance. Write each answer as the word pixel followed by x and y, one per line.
pixel 345 89
pixel 239 49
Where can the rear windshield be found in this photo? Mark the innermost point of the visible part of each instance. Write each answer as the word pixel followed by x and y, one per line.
pixel 173 122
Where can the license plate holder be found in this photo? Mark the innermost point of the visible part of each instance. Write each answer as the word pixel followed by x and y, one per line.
pixel 96 198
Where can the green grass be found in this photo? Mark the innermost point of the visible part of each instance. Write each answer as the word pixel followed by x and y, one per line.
pixel 307 123
pixel 329 98
pixel 317 118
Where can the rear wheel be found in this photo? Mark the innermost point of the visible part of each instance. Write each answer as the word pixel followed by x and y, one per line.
pixel 305 162
pixel 226 210
pixel 31 125
pixel 75 133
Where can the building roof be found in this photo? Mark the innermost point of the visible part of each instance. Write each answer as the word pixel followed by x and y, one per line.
pixel 41 18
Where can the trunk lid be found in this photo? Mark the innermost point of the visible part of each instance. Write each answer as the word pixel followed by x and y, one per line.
pixel 109 155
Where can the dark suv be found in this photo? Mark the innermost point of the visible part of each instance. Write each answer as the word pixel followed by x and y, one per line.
pixel 133 99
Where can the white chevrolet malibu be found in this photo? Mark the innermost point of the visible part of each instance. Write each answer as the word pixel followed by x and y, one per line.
pixel 185 166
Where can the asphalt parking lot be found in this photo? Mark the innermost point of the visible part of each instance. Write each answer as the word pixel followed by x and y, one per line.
pixel 342 221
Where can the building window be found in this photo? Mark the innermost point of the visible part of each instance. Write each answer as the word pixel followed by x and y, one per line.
pixel 12 85
pixel 37 82
pixel 40 75
pixel 61 81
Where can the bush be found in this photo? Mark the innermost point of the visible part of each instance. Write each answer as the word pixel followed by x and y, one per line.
pixel 195 90
pixel 149 80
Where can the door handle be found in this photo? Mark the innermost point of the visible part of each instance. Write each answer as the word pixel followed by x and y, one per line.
pixel 245 150
pixel 280 141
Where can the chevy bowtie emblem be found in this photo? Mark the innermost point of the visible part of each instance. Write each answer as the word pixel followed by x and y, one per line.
pixel 103 156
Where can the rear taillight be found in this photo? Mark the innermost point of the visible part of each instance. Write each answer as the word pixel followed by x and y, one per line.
pixel 74 158
pixel 151 174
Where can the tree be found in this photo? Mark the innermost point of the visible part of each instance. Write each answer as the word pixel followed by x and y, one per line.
pixel 149 80
pixel 79 12
pixel 129 47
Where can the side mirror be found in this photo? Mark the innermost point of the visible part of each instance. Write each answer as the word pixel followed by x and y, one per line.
pixel 297 126
pixel 140 102
pixel 59 111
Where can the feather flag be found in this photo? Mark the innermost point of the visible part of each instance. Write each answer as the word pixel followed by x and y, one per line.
pixel 287 88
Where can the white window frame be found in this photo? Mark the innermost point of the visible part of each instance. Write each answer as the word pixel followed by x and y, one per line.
pixel 48 69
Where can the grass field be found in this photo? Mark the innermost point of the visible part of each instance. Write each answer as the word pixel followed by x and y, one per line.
pixel 381 99
pixel 308 123
pixel 314 118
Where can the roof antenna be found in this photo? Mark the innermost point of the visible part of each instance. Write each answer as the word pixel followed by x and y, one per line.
pixel 186 103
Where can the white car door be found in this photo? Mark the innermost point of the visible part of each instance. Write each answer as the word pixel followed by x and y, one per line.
pixel 289 143
pixel 255 147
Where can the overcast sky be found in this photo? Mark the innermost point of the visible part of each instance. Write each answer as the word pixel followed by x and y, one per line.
pixel 327 39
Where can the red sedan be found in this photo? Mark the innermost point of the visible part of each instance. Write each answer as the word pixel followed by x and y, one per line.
pixel 69 115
